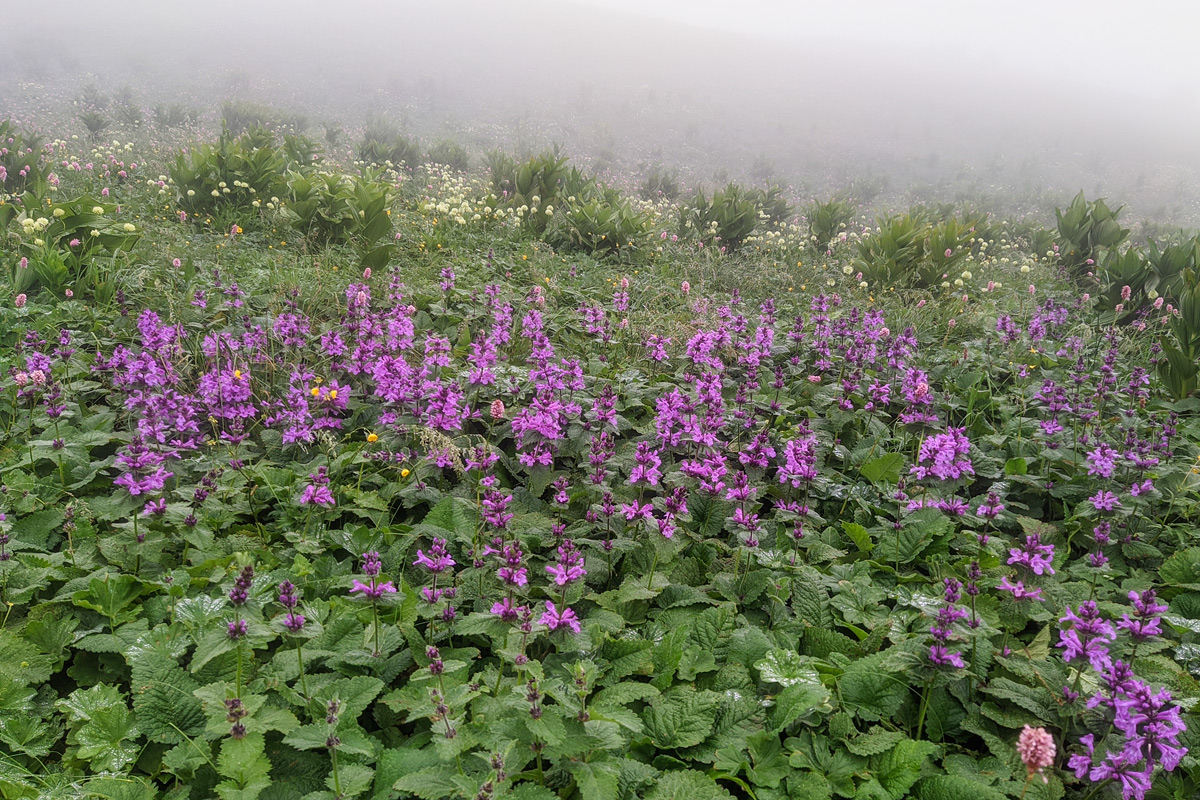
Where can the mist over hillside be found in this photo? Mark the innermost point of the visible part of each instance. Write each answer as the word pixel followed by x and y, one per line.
pixel 1015 108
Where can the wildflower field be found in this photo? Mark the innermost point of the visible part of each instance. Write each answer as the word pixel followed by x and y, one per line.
pixel 373 471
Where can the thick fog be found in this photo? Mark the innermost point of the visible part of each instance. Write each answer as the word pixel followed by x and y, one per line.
pixel 1015 104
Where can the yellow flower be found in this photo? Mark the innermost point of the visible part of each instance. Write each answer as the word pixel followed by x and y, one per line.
pixel 315 391
pixel 372 437
pixel 333 394
pixel 404 473
pixel 237 374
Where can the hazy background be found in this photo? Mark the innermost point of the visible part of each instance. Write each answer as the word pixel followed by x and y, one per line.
pixel 1015 104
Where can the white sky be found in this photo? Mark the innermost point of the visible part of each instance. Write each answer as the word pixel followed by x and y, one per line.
pixel 1151 47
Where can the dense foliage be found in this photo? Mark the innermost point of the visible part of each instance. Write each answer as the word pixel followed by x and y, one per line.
pixel 479 521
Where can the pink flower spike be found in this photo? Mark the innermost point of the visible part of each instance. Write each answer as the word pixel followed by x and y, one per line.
pixel 1036 748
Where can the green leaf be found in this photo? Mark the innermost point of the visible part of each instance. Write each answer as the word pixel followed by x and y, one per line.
pixel 214 643
pixel 245 767
pixel 353 779
pixel 624 692
pixel 859 535
pixel 108 739
pixel 167 710
pixel 452 515
pixel 22 662
pixel 905 544
pixel 900 767
pixel 953 787
pixel 787 668
pixel 682 718
pixel 873 743
pixel 1182 568
pixel 869 691
pixel 808 786
pixel 109 596
pixel 886 467
pixel 354 693
pixel 597 780
pixel 308 737
pixel 686 785
pixel 768 764
pixel 432 783
pixel 1016 466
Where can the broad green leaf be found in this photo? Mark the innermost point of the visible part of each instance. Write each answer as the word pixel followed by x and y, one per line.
pixel 787 668
pixel 859 535
pixel 686 785
pixel 682 718
pixel 885 468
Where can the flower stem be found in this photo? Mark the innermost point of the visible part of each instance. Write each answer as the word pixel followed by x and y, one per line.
pixel 303 680
pixel 924 707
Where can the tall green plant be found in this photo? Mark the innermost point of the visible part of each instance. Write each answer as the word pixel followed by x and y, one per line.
pixel 1086 230
pixel 600 221
pixel 21 167
pixel 827 220
pixel 724 220
pixel 234 173
pixel 1179 369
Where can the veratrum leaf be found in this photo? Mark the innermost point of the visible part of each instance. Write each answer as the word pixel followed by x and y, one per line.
pixel 682 718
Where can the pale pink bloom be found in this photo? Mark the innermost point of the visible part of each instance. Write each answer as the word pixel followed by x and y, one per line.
pixel 1036 748
pixel 19 302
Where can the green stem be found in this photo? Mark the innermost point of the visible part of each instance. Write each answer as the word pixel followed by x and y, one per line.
pixel 375 614
pixel 924 707
pixel 337 784
pixel 303 679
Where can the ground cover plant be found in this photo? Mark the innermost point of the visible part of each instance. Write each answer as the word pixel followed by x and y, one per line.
pixel 335 480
